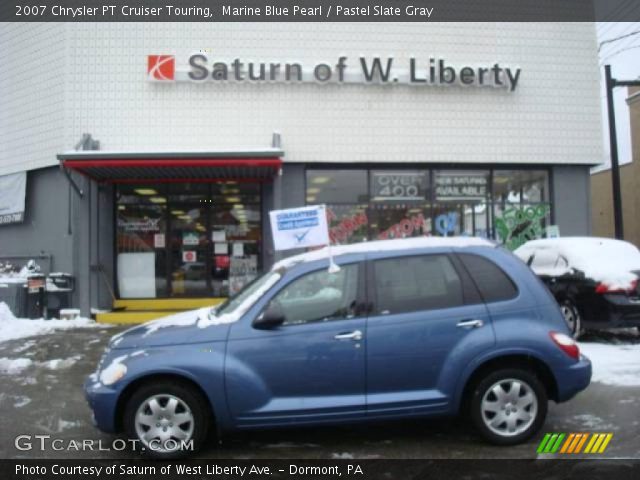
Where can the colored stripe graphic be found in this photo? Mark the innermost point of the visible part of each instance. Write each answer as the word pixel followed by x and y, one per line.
pixel 543 443
pixel 573 443
pixel 598 443
pixel 567 443
pixel 581 443
pixel 550 443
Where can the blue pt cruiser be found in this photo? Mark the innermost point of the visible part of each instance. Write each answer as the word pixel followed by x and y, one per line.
pixel 404 328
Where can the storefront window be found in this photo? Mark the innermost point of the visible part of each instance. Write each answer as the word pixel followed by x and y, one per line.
pixel 520 186
pixel 187 240
pixel 461 202
pixel 348 223
pixel 508 205
pixel 336 186
pixel 399 186
pixel 521 206
pixel 517 224
pixel 398 220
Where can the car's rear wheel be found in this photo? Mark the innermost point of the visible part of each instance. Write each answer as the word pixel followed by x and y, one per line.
pixel 508 406
pixel 168 419
pixel 571 316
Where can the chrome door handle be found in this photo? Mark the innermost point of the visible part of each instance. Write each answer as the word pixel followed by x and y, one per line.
pixel 470 324
pixel 355 335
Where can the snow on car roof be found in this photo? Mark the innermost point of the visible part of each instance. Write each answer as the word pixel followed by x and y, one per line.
pixel 601 259
pixel 384 245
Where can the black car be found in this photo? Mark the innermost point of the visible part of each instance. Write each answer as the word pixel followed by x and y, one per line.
pixel 594 280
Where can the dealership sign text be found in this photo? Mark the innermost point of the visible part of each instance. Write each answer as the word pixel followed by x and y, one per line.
pixel 200 67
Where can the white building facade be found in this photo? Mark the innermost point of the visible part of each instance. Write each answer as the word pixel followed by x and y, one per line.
pixel 171 198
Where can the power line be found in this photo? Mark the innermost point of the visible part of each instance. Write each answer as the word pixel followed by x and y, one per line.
pixel 618 52
pixel 615 39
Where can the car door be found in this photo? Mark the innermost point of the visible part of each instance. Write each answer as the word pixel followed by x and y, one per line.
pixel 312 367
pixel 427 320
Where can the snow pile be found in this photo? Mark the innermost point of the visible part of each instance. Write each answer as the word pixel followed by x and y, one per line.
pixel 13 366
pixel 614 364
pixel 12 327
pixel 60 363
pixel 601 259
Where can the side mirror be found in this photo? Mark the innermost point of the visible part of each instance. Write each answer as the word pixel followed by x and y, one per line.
pixel 272 317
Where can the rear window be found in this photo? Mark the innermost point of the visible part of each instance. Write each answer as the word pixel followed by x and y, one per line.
pixel 493 283
pixel 412 284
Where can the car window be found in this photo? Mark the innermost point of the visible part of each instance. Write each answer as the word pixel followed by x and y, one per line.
pixel 320 296
pixel 410 284
pixel 494 284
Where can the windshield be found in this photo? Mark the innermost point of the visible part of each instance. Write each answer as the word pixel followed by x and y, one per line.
pixel 249 290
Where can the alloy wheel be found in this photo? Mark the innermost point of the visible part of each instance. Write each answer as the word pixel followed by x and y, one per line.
pixel 164 422
pixel 509 407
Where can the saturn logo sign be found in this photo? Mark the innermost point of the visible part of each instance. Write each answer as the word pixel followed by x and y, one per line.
pixel 161 67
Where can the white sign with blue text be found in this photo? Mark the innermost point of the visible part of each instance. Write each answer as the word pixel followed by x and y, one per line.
pixel 299 227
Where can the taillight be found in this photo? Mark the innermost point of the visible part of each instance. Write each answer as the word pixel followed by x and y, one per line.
pixel 567 344
pixel 604 288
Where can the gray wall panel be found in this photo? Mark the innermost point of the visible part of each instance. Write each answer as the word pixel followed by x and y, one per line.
pixel 45 227
pixel 572 201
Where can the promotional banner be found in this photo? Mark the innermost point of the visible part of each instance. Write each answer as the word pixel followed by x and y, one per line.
pixel 299 227
pixel 12 195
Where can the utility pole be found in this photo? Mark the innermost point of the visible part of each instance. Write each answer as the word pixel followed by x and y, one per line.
pixel 610 84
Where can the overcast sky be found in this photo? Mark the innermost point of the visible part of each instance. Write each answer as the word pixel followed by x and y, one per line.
pixel 623 54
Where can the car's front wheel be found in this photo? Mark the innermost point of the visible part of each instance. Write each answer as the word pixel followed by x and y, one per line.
pixel 508 406
pixel 571 317
pixel 167 419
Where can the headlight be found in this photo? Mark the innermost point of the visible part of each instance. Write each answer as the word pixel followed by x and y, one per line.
pixel 114 372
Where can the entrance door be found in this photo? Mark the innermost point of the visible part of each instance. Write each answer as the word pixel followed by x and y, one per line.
pixel 188 256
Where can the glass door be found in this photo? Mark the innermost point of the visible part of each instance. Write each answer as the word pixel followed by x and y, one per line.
pixel 188 256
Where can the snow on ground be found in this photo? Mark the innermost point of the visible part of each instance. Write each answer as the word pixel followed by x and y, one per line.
pixel 614 364
pixel 13 366
pixel 12 328
pixel 21 401
pixel 59 363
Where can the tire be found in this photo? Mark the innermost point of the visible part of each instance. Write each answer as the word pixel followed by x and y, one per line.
pixel 572 317
pixel 486 406
pixel 165 404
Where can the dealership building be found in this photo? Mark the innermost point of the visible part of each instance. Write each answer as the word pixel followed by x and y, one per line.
pixel 144 158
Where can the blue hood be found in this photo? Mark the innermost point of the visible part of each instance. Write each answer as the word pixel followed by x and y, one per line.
pixel 175 329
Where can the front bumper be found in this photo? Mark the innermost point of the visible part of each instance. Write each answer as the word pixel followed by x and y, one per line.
pixel 102 401
pixel 573 379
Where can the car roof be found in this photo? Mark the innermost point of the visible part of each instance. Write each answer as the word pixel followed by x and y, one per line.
pixel 413 243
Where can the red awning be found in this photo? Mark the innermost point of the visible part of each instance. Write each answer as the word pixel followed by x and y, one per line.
pixel 176 168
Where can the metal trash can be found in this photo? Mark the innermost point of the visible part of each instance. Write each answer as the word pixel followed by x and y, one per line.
pixel 35 304
pixel 60 287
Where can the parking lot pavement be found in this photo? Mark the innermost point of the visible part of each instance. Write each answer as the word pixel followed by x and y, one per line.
pixel 41 394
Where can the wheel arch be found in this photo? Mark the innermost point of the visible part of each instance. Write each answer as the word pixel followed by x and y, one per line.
pixel 511 360
pixel 129 390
